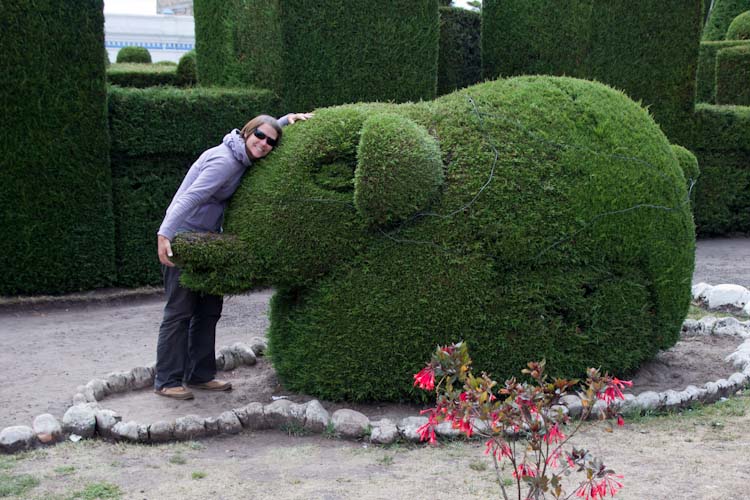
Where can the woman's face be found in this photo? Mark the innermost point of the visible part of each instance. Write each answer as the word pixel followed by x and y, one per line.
pixel 257 148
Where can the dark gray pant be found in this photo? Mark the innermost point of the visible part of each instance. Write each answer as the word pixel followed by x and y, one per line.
pixel 187 335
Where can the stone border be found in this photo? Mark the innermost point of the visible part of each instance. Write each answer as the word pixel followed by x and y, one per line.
pixel 87 419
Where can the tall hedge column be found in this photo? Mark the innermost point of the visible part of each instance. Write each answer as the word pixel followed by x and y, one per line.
pixel 55 185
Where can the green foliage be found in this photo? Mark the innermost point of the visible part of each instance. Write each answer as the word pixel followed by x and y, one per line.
pixel 187 73
pixel 16 484
pixel 459 60
pixel 720 141
pixel 157 133
pixel 721 17
pixel 55 186
pixel 562 231
pixel 706 77
pixel 98 491
pixel 398 172
pixel 141 75
pixel 740 27
pixel 644 47
pixel 303 50
pixel 733 76
pixel 689 165
pixel 134 55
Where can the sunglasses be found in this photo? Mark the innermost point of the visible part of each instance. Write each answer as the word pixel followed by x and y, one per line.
pixel 261 135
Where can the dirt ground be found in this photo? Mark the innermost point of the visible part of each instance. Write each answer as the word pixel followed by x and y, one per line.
pixel 50 348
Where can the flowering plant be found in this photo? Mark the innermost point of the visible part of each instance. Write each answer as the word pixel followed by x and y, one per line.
pixel 523 422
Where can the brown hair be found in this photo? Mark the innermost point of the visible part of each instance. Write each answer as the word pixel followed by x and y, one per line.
pixel 259 120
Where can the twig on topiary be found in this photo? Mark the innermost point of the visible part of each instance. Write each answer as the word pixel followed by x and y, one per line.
pixel 518 412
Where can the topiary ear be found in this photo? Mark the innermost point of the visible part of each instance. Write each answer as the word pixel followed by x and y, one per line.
pixel 399 169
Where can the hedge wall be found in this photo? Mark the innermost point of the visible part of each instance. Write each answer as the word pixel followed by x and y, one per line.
pixel 733 76
pixel 459 60
pixel 55 185
pixel 721 16
pixel 706 77
pixel 157 134
pixel 322 52
pixel 645 47
pixel 722 144
pixel 562 229
pixel 142 75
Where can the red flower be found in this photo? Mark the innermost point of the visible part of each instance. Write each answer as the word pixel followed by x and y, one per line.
pixel 614 390
pixel 620 421
pixel 425 378
pixel 463 396
pixel 427 432
pixel 500 450
pixel 524 470
pixel 554 435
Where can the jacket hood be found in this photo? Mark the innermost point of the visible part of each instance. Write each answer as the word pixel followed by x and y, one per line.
pixel 233 140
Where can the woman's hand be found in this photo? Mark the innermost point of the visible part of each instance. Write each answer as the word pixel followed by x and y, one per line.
pixel 293 117
pixel 164 249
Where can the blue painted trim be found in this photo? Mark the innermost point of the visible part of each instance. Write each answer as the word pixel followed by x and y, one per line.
pixel 151 45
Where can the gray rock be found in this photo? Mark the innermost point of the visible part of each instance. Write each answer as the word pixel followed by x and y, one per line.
pixel 212 426
pixel 161 431
pixel 693 393
pixel 17 438
pixel 119 381
pixel 700 290
pixel 47 429
pixel 573 403
pixel 230 360
pixel 708 323
pixel 630 404
pixel 691 327
pixel 649 400
pixel 408 427
pixel 252 417
pixel 143 376
pixel 88 393
pixel 349 423
pixel 729 326
pixel 259 345
pixel 316 417
pixel 127 431
pixel 446 429
pixel 99 388
pixel 143 433
pixel 298 411
pixel 80 420
pixel 384 431
pixel 220 362
pixel 727 295
pixel 189 427
pixel 278 414
pixel 79 399
pixel 712 392
pixel 105 422
pixel 737 379
pixel 673 399
pixel 244 354
pixel 229 423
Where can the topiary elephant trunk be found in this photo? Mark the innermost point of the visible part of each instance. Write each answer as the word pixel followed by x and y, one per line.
pixel 533 217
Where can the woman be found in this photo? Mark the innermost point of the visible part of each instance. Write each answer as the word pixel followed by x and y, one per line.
pixel 185 350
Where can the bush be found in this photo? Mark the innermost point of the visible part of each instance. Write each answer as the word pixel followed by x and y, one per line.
pixel 706 77
pixel 55 186
pixel 721 16
pixel 187 74
pixel 134 55
pixel 157 134
pixel 562 230
pixel 141 75
pixel 690 170
pixel 733 76
pixel 644 47
pixel 303 50
pixel 740 27
pixel 459 61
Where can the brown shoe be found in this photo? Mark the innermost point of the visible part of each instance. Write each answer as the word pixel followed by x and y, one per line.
pixel 174 392
pixel 213 385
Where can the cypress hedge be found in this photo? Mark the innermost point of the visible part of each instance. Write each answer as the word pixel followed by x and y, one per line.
pixel 706 77
pixel 645 47
pixel 142 75
pixel 55 185
pixel 132 54
pixel 733 76
pixel 740 27
pixel 322 52
pixel 721 17
pixel 459 60
pixel 561 230
pixel 157 133
pixel 187 73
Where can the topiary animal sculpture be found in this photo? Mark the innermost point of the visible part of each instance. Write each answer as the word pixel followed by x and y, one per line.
pixel 533 217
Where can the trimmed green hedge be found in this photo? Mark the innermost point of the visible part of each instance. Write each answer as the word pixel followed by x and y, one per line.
pixel 706 77
pixel 722 144
pixel 55 185
pixel 157 134
pixel 562 230
pixel 322 52
pixel 141 75
pixel 459 54
pixel 187 72
pixel 134 55
pixel 645 47
pixel 722 15
pixel 733 76
pixel 740 27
